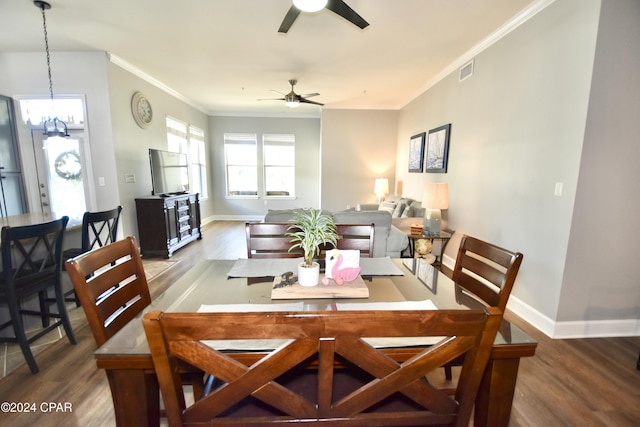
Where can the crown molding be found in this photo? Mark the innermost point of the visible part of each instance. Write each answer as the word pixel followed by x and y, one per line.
pixel 116 60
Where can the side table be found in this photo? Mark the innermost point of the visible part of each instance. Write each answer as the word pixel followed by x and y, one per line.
pixel 443 236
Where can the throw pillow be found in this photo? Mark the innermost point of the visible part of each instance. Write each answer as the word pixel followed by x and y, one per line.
pixel 397 212
pixel 387 206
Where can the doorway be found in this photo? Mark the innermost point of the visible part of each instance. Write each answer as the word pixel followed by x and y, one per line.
pixel 60 167
pixel 61 173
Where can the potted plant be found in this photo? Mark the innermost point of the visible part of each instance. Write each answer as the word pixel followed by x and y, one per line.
pixel 311 229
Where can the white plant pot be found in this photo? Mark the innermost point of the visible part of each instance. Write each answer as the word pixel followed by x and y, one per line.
pixel 308 276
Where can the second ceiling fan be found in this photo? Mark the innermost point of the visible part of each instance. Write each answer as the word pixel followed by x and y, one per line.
pixel 292 99
pixel 338 7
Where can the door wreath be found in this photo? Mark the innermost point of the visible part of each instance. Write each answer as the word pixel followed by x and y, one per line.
pixel 67 165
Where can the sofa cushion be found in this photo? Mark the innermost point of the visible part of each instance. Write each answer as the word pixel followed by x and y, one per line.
pixel 397 242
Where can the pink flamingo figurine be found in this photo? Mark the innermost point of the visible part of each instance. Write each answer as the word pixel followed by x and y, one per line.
pixel 346 274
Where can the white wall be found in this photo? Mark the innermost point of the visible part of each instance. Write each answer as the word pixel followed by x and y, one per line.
pixel 358 146
pixel 517 129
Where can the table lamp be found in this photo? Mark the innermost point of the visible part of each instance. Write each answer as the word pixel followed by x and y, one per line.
pixel 381 188
pixel 434 198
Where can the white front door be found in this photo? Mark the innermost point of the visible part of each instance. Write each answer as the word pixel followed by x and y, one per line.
pixel 61 173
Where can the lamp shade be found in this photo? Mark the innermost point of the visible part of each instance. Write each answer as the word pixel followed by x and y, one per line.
pixel 381 187
pixel 435 196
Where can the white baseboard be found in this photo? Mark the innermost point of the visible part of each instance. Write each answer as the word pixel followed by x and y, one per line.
pixel 247 218
pixel 568 329
pixel 574 328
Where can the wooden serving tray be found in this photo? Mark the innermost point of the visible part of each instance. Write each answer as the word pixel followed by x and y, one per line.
pixel 354 289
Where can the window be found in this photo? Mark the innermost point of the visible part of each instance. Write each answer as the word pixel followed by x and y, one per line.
pixel 182 138
pixel 198 161
pixel 177 136
pixel 279 165
pixel 240 156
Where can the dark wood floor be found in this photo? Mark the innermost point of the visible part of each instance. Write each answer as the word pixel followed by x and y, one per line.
pixel 581 382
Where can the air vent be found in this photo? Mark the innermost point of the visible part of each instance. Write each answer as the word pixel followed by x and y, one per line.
pixel 466 71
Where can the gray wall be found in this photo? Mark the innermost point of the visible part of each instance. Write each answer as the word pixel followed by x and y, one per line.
pixel 541 108
pixel 555 101
pixel 117 144
pixel 131 143
pixel 307 134
pixel 358 146
pixel 25 74
pixel 601 279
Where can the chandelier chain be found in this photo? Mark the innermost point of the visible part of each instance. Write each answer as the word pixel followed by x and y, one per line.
pixel 46 46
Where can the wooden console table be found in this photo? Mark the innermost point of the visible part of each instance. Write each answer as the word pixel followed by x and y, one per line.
pixel 165 224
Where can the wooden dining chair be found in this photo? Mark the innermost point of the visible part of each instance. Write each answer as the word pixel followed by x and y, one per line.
pixel 324 372
pixel 486 272
pixel 270 240
pixel 31 266
pixel 354 237
pixel 111 285
pixel 98 229
pixel 112 288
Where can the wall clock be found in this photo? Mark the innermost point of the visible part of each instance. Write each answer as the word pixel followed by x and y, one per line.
pixel 141 109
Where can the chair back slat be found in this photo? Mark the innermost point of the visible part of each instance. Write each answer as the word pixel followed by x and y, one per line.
pixel 269 240
pixel 298 382
pixel 111 285
pixel 356 237
pixel 486 270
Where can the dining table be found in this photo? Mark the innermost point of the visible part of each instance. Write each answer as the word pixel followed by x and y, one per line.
pixel 127 361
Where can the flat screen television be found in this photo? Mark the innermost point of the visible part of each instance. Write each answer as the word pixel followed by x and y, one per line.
pixel 169 172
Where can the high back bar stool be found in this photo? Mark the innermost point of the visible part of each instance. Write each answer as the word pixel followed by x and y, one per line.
pixel 31 265
pixel 98 229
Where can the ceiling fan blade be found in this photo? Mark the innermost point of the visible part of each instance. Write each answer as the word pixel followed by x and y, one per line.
pixel 275 91
pixel 341 8
pixel 307 101
pixel 288 20
pixel 309 95
pixel 270 99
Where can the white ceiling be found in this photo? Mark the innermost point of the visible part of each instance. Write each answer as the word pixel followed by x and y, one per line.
pixel 222 55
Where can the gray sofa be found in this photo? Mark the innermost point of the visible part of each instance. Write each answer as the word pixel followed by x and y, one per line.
pixel 388 239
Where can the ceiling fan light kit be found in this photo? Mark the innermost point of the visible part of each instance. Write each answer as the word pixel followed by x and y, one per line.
pixel 292 99
pixel 310 5
pixel 339 7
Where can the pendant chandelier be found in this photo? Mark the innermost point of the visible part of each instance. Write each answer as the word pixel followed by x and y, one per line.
pixel 52 126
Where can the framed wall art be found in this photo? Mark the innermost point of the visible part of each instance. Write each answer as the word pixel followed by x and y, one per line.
pixel 416 152
pixel 438 149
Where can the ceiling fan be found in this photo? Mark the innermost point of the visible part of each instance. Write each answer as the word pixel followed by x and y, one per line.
pixel 338 7
pixel 292 99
